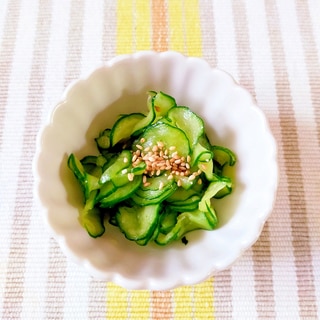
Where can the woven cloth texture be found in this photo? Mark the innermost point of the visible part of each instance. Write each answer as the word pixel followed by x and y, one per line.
pixel 271 47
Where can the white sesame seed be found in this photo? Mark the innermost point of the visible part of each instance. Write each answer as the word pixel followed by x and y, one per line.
pixel 192 177
pixel 142 140
pixel 178 161
pixel 124 171
pixel 161 185
pixel 139 146
pixel 188 158
pixel 144 179
pixel 172 148
pixel 199 181
pixel 187 165
pixel 160 144
pixel 155 148
pixel 130 176
pixel 179 183
pixel 170 176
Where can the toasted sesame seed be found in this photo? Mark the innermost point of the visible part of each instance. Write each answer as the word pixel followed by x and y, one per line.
pixel 178 161
pixel 199 181
pixel 130 176
pixel 142 140
pixel 187 165
pixel 158 172
pixel 139 146
pixel 155 148
pixel 161 185
pixel 146 149
pixel 179 183
pixel 144 179
pixel 146 184
pixel 134 158
pixel 170 176
pixel 160 144
pixel 172 148
pixel 188 158
pixel 192 177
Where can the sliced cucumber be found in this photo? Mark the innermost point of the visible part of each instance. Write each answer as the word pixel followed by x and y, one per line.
pixel 186 222
pixel 121 193
pixel 162 103
pixel 167 135
pixel 138 223
pixel 103 140
pixel 122 129
pixel 186 120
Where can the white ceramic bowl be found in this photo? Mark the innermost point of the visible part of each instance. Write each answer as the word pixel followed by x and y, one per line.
pixel 232 119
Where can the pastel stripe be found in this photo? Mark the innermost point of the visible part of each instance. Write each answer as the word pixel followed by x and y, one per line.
pixel 58 276
pixel 302 106
pixel 161 305
pixel 207 31
pixel 159 25
pixel 125 22
pixel 261 254
pixel 117 302
pixel 193 37
pixel 32 92
pixel 203 300
pixel 7 48
pixel 109 30
pixel 305 101
pixel 270 301
pixel 310 38
pixel 140 305
pixel 182 305
pixel 142 25
pixel 176 26
pixel 297 202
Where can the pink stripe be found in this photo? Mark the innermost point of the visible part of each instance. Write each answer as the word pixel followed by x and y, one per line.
pixel 311 58
pixel 109 30
pixel 222 295
pixel 261 251
pixel 208 31
pixel 297 204
pixel 21 217
pixel 6 56
pixel 57 261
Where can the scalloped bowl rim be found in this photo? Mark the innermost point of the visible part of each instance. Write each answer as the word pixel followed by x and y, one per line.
pixel 184 272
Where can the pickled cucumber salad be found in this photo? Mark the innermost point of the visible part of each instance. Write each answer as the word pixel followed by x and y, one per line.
pixel 154 175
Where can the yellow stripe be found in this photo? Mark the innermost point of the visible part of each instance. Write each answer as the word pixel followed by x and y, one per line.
pixel 176 28
pixel 124 27
pixel 117 302
pixel 182 306
pixel 140 305
pixel 143 25
pixel 203 300
pixel 193 28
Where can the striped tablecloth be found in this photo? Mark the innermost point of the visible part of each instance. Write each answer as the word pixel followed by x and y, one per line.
pixel 271 47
